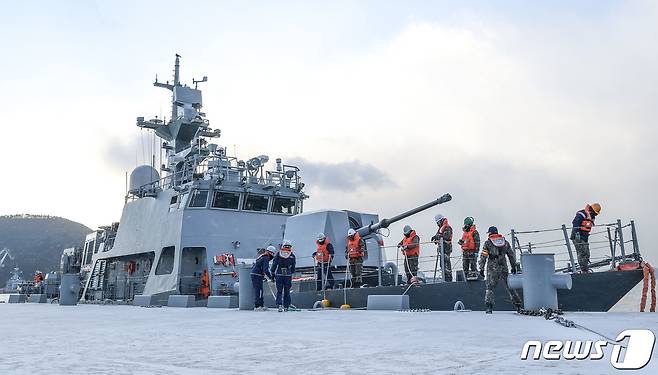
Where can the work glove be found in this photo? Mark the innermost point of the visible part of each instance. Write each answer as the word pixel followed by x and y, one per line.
pixel 461 242
pixel 482 273
pixel 577 236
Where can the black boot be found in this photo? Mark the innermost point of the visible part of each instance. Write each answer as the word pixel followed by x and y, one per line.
pixel 489 308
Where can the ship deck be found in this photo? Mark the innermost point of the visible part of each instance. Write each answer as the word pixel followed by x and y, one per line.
pixel 96 339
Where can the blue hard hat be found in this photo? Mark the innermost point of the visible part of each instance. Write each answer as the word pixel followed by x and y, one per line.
pixel 493 230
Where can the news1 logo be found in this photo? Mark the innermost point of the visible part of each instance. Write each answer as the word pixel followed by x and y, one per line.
pixel 632 356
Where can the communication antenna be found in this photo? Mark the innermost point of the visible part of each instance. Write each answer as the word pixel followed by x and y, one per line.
pixel 196 83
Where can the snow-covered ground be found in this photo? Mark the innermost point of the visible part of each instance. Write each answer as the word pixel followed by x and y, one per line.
pixel 91 339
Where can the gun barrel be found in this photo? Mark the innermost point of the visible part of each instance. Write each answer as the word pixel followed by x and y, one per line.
pixel 372 228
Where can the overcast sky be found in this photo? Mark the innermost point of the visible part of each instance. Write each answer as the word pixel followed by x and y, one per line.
pixel 523 113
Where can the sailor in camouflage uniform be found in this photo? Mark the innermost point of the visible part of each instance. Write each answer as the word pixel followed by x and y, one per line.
pixel 444 234
pixel 494 251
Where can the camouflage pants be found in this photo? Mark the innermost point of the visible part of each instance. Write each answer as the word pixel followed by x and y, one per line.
pixel 447 265
pixel 356 270
pixel 582 251
pixel 493 278
pixel 469 262
pixel 411 267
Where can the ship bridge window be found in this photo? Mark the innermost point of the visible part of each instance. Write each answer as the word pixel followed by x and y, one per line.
pixel 166 261
pixel 283 205
pixel 198 198
pixel 222 199
pixel 256 203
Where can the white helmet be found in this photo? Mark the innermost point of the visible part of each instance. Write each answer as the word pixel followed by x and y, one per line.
pixel 286 243
pixel 351 232
pixel 271 249
pixel 407 229
pixel 321 236
pixel 438 218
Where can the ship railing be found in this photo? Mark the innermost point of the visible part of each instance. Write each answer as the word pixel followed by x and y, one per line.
pixel 231 169
pixel 225 168
pixel 609 245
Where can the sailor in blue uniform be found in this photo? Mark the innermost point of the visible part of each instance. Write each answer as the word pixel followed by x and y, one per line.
pixel 283 267
pixel 259 270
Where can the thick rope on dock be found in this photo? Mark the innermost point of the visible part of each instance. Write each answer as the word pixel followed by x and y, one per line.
pixel 649 273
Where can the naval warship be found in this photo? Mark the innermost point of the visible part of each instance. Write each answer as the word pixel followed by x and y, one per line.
pixel 186 231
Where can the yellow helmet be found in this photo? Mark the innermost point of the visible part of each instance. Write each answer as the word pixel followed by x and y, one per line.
pixel 596 207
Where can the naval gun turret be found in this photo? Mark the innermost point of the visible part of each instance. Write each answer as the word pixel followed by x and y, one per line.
pixel 384 223
pixel 302 230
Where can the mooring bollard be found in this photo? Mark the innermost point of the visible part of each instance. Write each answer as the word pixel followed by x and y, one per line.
pixel 246 293
pixel 69 289
pixel 539 281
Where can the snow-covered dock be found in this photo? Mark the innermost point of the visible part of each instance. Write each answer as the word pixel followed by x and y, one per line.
pixel 93 339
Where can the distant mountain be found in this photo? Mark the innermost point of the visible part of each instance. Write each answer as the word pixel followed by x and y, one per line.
pixel 37 241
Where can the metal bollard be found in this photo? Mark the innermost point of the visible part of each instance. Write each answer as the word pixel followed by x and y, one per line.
pixel 539 281
pixel 246 293
pixel 69 289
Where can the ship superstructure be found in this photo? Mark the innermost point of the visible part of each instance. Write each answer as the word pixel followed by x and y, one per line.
pixel 208 210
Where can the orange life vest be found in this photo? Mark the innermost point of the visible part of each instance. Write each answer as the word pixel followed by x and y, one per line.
pixel 204 288
pixel 588 222
pixel 443 228
pixel 468 240
pixel 408 241
pixel 322 254
pixel 354 249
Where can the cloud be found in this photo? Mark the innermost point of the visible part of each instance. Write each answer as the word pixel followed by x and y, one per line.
pixel 125 154
pixel 522 121
pixel 342 176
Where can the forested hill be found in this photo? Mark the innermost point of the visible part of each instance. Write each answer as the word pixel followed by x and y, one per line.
pixel 37 241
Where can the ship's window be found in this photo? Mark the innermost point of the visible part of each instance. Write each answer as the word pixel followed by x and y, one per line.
pixel 174 199
pixel 223 199
pixel 283 205
pixel 255 203
pixel 166 262
pixel 198 198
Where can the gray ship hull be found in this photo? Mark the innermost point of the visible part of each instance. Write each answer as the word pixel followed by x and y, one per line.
pixel 596 292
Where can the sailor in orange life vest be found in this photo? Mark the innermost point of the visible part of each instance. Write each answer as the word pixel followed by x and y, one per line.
pixel 355 253
pixel 444 234
pixel 582 226
pixel 470 243
pixel 204 287
pixel 411 249
pixel 494 251
pixel 38 280
pixel 323 256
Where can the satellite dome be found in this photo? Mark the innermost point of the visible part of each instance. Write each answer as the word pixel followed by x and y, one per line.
pixel 140 176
